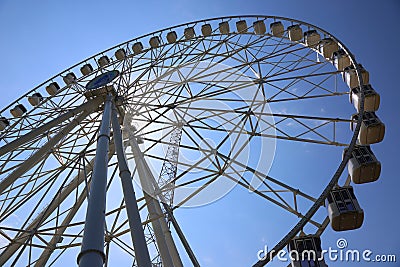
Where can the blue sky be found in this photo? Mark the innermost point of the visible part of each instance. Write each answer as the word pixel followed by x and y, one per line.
pixel 39 40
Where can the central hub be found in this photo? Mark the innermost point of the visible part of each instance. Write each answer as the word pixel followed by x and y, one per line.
pixel 102 80
pixel 99 86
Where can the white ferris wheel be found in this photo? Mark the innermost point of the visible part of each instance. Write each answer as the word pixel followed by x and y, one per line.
pixel 96 161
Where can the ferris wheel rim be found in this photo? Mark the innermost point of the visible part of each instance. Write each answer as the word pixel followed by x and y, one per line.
pixel 154 33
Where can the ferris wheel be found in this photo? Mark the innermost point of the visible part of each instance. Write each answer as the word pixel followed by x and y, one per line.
pixel 96 161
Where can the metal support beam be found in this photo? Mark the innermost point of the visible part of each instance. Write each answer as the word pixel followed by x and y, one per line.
pixel 92 251
pixel 88 106
pixel 41 152
pixel 135 223
pixel 44 257
pixel 182 237
pixel 48 210
pixel 168 251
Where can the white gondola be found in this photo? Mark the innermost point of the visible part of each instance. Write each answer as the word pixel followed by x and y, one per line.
pixel 86 69
pixel 327 47
pixel 311 38
pixel 172 37
pixel 69 78
pixel 363 166
pixel 120 54
pixel 372 129
pixel 35 99
pixel 224 27
pixel 18 111
pixel 277 29
pixel 189 33
pixel 103 61
pixel 259 27
pixel 241 26
pixel 371 98
pixel 52 88
pixel 350 76
pixel 206 30
pixel 306 250
pixel 343 209
pixel 154 42
pixel 341 60
pixel 295 33
pixel 3 123
pixel 137 48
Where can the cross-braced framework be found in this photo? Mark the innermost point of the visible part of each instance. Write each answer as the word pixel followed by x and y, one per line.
pixel 169 168
pixel 207 105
